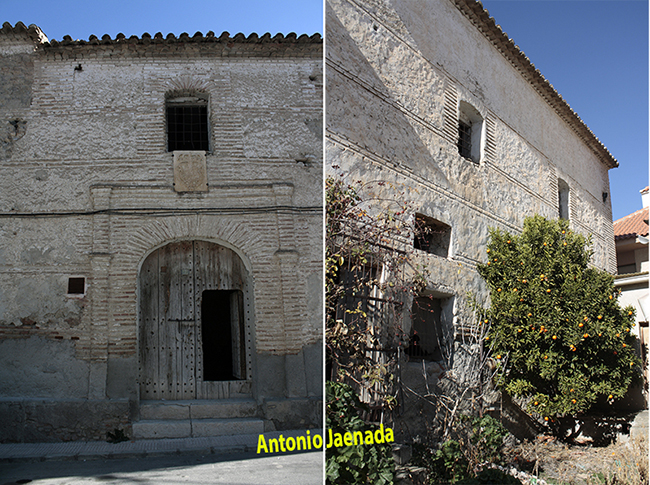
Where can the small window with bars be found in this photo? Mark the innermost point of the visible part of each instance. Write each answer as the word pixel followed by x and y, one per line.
pixel 187 123
pixel 464 139
pixel 470 132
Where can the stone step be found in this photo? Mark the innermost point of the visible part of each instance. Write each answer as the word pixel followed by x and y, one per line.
pixel 199 409
pixel 196 428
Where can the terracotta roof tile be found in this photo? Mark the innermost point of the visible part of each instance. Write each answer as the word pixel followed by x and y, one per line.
pixel 37 35
pixel 632 225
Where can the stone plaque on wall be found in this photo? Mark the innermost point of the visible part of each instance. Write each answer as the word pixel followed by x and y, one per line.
pixel 190 174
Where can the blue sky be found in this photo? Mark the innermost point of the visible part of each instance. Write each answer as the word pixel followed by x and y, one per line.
pixel 81 18
pixel 595 54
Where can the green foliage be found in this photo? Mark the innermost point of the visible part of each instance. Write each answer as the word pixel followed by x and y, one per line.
pixel 353 464
pixel 478 440
pixel 449 464
pixel 482 439
pixel 556 325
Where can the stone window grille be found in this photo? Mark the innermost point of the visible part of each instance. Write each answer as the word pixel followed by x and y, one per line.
pixel 470 132
pixel 187 122
pixel 431 236
pixel 563 199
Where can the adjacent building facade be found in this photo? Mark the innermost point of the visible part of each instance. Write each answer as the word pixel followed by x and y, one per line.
pixel 434 100
pixel 631 234
pixel 160 234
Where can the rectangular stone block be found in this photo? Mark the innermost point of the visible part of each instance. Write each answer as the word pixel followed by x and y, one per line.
pixel 226 427
pixel 190 173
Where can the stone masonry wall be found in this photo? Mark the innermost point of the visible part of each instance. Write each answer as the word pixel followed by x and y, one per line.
pixel 396 71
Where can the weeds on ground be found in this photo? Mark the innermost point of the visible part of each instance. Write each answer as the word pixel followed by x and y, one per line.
pixel 627 464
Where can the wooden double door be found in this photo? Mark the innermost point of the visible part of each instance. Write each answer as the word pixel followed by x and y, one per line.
pixel 193 330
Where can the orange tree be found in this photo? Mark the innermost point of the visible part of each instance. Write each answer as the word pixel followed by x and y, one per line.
pixel 556 325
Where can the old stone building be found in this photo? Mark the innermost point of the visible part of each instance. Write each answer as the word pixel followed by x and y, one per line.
pixel 160 234
pixel 434 100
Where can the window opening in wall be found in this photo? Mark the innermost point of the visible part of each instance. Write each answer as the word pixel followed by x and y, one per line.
pixel 431 236
pixel 222 328
pixel 187 122
pixel 563 199
pixel 76 286
pixel 426 336
pixel 470 132
pixel 464 139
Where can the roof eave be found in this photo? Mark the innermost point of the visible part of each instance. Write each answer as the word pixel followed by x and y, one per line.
pixel 480 18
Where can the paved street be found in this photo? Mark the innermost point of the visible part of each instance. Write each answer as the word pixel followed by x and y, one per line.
pixel 239 469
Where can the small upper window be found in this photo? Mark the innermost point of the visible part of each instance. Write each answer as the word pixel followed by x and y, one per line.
pixel 470 132
pixel 431 236
pixel 563 199
pixel 187 122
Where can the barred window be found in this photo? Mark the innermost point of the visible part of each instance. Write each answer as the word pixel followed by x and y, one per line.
pixel 187 122
pixel 470 132
pixel 464 140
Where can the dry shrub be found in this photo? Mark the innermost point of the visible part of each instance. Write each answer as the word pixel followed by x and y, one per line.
pixel 627 463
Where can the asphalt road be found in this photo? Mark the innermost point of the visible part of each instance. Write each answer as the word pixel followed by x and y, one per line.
pixel 286 469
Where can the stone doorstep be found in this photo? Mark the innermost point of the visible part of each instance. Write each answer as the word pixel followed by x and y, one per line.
pixel 84 450
pixel 202 409
pixel 194 428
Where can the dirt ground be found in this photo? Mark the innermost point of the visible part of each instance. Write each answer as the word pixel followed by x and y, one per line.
pixel 557 463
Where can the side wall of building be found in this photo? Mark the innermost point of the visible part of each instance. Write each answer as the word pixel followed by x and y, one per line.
pixel 398 73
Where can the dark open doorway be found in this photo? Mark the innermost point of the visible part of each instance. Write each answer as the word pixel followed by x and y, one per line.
pixel 223 332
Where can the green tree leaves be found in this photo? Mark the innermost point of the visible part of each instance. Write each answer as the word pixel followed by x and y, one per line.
pixel 558 320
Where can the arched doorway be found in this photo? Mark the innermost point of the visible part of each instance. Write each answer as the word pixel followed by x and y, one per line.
pixel 194 334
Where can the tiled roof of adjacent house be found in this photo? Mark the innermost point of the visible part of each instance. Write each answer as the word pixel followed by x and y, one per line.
pixel 481 19
pixel 635 224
